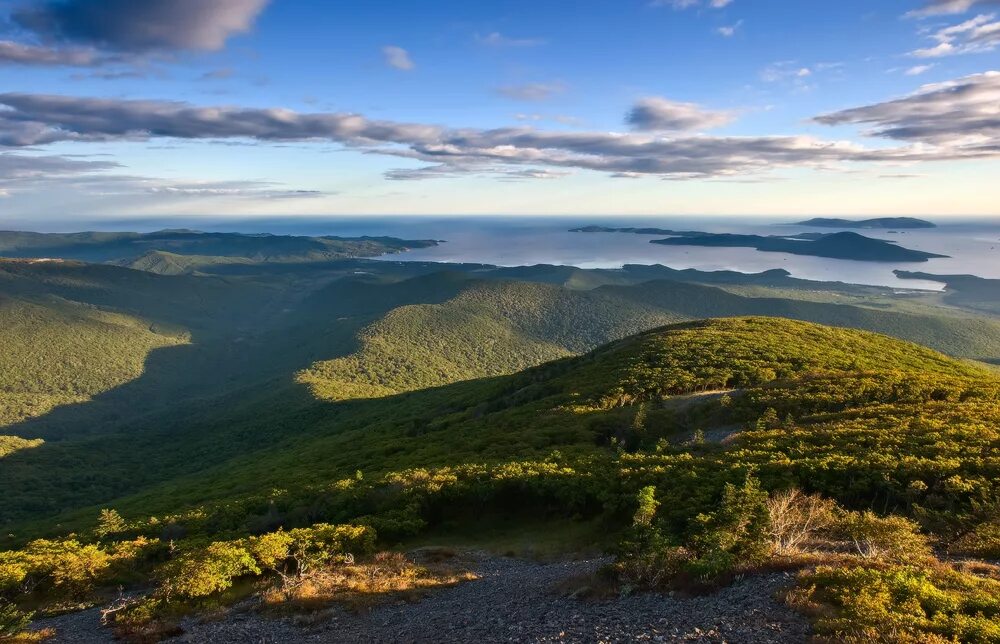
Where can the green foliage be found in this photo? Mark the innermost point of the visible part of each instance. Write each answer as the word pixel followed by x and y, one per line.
pixel 647 504
pixel 489 329
pixel 737 533
pixel 110 523
pixel 59 352
pixel 205 571
pixel 904 603
pixel 891 537
pixel 982 541
pixel 11 444
pixel 65 567
pixel 12 620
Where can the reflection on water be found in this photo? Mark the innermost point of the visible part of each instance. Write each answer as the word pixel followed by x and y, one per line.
pixel 973 245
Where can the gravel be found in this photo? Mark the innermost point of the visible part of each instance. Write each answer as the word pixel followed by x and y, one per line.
pixel 512 601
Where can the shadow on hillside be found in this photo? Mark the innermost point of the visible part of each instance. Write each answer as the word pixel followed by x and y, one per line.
pixel 226 394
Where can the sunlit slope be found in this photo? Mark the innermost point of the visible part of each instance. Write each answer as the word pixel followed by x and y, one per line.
pixel 489 329
pixel 857 415
pixel 57 352
pixel 959 335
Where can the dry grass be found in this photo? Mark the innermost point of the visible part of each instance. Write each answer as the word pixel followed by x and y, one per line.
pixel 389 575
pixel 28 637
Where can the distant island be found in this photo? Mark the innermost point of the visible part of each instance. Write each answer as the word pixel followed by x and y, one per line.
pixel 881 222
pixel 845 245
pixel 179 251
pixel 835 246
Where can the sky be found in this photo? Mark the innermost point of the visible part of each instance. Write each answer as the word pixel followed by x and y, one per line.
pixel 121 108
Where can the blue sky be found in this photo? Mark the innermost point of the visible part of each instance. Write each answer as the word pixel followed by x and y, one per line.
pixel 158 107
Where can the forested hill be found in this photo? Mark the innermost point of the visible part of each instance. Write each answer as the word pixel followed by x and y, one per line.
pixel 690 446
pixel 180 251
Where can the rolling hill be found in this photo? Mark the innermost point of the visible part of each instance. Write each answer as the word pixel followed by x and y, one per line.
pixel 690 416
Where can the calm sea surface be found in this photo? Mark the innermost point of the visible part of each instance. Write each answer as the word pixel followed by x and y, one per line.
pixel 973 245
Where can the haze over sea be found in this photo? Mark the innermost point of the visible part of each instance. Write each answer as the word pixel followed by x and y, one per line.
pixel 972 244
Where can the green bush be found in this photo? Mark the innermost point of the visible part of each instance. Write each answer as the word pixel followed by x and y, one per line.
pixel 206 571
pixel 892 538
pixel 904 603
pixel 737 533
pixel 12 620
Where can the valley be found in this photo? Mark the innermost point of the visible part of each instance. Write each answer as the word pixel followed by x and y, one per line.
pixel 399 396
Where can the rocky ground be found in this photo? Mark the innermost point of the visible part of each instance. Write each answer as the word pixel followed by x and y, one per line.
pixel 512 601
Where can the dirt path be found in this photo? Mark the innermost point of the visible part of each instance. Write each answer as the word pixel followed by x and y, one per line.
pixel 513 601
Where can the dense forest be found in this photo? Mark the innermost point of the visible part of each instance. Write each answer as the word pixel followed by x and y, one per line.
pixel 295 447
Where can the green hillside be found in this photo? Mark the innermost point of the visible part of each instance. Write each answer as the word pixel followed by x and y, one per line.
pixel 60 352
pixel 489 329
pixel 697 423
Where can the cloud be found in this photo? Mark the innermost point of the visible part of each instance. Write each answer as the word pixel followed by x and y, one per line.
pixel 917 70
pixel 23 173
pixel 21 54
pixel 961 115
pixel 532 91
pixel 140 25
pixel 976 35
pixel 496 39
pixel 948 7
pixel 241 189
pixel 655 113
pixel 956 120
pixel 783 71
pixel 728 31
pixel 397 58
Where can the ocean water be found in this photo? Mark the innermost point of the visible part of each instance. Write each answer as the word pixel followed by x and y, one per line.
pixel 973 245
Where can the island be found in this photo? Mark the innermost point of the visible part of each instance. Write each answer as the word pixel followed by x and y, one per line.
pixel 844 245
pixel 178 251
pixel 881 223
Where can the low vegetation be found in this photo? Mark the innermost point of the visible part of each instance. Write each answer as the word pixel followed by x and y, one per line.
pixel 712 448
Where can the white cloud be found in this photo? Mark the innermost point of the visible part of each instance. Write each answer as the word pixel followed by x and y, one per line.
pixel 948 7
pixel 397 58
pixel 961 116
pixel 783 71
pixel 917 70
pixel 958 120
pixel 728 31
pixel 976 35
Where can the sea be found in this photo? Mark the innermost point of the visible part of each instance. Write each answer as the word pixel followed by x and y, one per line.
pixel 972 244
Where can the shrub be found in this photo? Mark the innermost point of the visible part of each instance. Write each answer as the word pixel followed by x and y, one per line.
pixel 738 531
pixel 207 571
pixel 12 620
pixel 110 523
pixel 893 538
pixel 904 603
pixel 795 517
pixel 66 566
pixel 647 505
pixel 983 541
